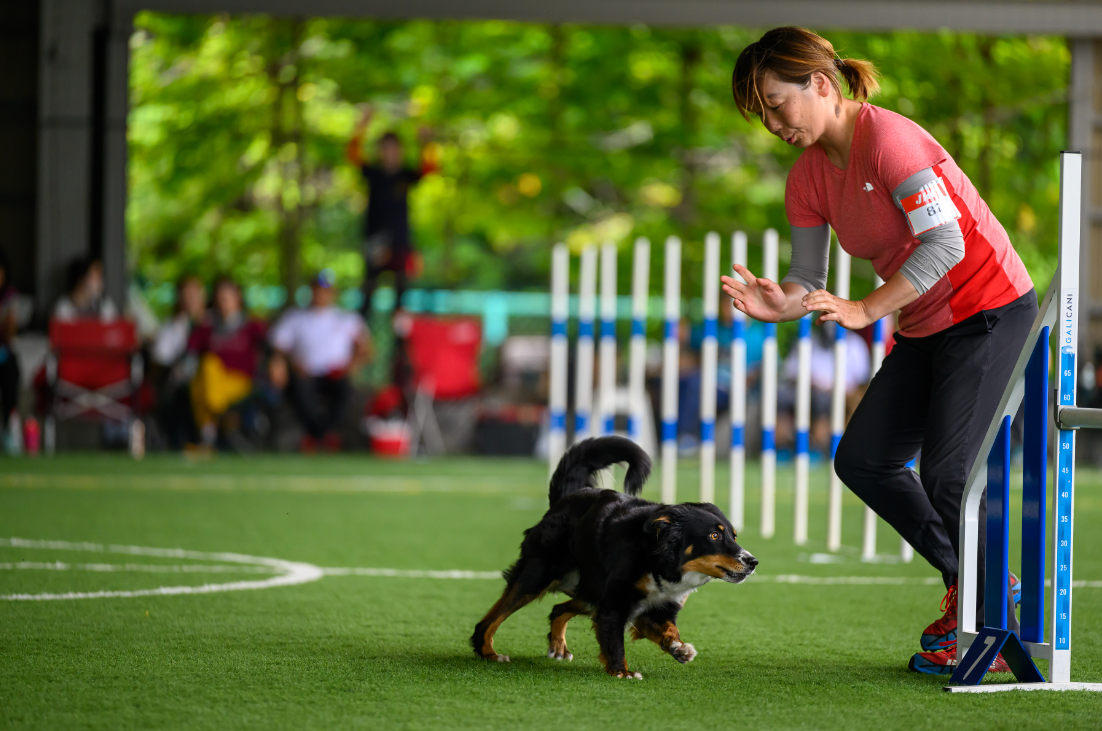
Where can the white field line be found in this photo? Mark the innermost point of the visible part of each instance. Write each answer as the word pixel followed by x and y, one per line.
pixel 290 572
pixel 281 483
pixel 138 567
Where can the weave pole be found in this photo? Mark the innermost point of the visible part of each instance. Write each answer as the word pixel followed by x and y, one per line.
pixel 803 426
pixel 640 289
pixel 837 406
pixel 671 348
pixel 769 400
pixel 738 396
pixel 709 351
pixel 583 383
pixel 560 304
pixel 607 406
pixel 868 542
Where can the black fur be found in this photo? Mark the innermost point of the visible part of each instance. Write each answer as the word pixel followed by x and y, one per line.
pixel 621 559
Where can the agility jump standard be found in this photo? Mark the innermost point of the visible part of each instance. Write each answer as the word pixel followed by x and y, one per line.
pixel 1029 381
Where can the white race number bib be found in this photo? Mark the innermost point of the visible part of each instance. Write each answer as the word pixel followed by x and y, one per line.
pixel 929 208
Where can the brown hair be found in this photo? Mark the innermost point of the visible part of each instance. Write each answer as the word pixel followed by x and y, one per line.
pixel 794 54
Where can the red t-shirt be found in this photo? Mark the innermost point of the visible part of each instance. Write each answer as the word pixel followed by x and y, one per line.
pixel 857 203
pixel 239 349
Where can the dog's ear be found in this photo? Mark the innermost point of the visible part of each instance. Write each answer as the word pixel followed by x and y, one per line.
pixel 657 523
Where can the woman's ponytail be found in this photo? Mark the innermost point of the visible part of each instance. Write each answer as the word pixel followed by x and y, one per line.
pixel 861 77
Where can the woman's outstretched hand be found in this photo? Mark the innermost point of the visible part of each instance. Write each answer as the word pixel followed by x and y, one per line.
pixel 761 299
pixel 847 313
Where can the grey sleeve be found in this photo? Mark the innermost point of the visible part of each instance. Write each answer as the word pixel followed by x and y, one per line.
pixel 810 257
pixel 939 250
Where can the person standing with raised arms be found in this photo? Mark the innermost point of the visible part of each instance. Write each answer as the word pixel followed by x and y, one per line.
pixel 895 197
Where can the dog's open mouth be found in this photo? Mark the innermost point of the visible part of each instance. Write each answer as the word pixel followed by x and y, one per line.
pixel 735 577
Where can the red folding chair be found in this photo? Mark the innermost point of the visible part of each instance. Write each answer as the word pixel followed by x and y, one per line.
pixel 443 358
pixel 94 371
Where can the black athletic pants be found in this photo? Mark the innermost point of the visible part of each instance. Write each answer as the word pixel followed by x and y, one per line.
pixel 938 393
pixel 319 402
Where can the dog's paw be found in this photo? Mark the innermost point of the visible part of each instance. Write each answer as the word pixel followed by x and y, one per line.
pixel 496 658
pixel 559 654
pixel 628 674
pixel 683 652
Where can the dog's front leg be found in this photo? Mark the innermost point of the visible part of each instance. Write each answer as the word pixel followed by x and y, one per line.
pixel 658 627
pixel 609 623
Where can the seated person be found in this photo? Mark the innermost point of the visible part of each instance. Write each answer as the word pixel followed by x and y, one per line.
pixel 171 369
pixel 228 345
pixel 322 344
pixel 9 365
pixel 84 297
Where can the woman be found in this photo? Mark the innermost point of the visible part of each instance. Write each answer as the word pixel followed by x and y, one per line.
pixel 229 345
pixel 84 296
pixel 895 197
pixel 9 365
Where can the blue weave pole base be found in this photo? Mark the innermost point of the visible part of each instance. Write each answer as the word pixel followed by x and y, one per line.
pixel 985 648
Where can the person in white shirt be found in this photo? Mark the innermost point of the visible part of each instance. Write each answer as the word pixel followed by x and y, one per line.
pixel 85 298
pixel 321 344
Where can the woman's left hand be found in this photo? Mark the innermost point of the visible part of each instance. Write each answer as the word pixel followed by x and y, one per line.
pixel 847 313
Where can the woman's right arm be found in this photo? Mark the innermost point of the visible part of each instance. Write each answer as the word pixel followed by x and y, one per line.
pixel 767 301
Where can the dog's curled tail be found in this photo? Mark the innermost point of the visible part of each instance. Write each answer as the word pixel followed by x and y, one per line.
pixel 578 467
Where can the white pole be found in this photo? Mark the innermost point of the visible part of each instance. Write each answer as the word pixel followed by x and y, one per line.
pixel 709 354
pixel 803 426
pixel 587 307
pixel 607 406
pixel 868 542
pixel 769 400
pixel 560 296
pixel 837 406
pixel 640 289
pixel 738 396
pixel 671 351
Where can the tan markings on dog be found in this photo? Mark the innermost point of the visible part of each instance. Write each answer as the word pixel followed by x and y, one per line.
pixel 662 634
pixel 509 602
pixel 713 565
pixel 645 584
pixel 721 527
pixel 689 551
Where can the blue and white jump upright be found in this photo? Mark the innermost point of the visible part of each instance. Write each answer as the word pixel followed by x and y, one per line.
pixel 587 310
pixel 637 363
pixel 837 405
pixel 671 352
pixel 709 354
pixel 770 246
pixel 607 406
pixel 737 512
pixel 560 304
pixel 803 428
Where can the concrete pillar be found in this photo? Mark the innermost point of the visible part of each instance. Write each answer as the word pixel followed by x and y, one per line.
pixel 64 142
pixel 115 155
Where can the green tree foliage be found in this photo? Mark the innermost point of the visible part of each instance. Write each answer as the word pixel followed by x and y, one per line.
pixel 545 133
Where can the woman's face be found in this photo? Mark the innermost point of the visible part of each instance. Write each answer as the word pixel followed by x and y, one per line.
pixel 797 115
pixel 228 300
pixel 192 294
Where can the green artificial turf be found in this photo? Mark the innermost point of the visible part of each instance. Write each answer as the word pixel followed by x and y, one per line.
pixel 381 652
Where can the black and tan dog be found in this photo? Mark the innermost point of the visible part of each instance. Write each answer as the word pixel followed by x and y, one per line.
pixel 622 560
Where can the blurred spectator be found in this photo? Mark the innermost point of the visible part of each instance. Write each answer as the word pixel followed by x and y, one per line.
pixel 229 346
pixel 388 246
pixel 9 364
pixel 171 369
pixel 84 296
pixel 322 345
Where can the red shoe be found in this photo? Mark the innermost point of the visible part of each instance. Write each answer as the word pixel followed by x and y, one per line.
pixel 331 442
pixel 942 634
pixel 944 662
